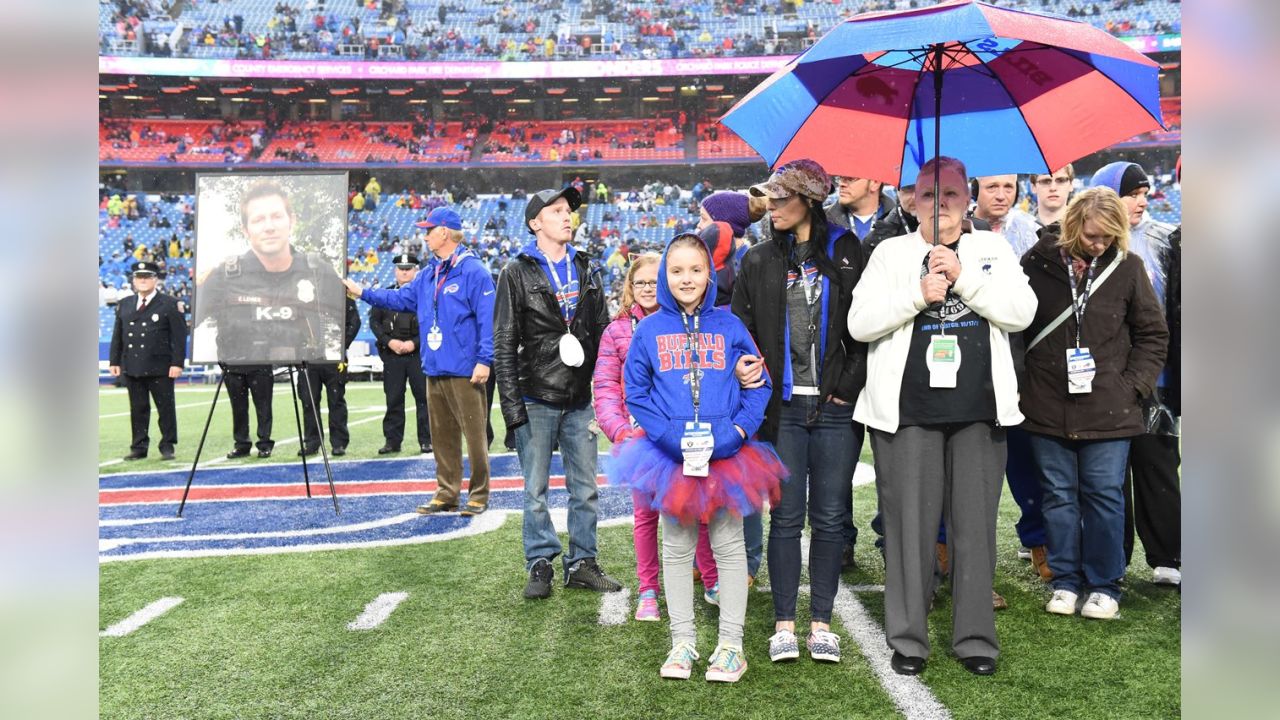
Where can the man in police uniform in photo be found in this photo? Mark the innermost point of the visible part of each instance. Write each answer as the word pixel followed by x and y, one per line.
pixel 272 304
pixel 148 347
pixel 332 378
pixel 397 335
pixel 243 381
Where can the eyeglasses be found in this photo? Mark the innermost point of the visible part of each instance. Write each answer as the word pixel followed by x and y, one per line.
pixel 642 284
pixel 1046 182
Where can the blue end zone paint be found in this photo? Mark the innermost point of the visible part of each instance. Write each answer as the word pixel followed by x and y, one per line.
pixel 256 525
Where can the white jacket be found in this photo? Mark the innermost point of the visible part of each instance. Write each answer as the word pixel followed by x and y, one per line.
pixel 888 298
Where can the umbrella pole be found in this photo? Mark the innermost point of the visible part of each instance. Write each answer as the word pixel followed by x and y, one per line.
pixel 937 136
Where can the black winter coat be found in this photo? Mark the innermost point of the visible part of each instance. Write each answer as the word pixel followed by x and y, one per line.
pixel 527 326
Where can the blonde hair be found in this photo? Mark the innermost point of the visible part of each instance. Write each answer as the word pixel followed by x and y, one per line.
pixel 455 235
pixel 1071 173
pixel 1104 207
pixel 628 295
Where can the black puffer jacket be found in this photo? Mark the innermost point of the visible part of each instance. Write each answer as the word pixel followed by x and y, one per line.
pixel 527 326
pixel 892 224
pixel 760 301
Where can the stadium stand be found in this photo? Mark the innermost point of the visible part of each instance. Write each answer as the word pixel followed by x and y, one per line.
pixel 528 30
pixel 581 140
pixel 717 142
pixel 371 142
pixel 185 141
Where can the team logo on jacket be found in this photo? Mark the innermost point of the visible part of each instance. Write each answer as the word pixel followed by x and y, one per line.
pixel 675 353
pixel 155 317
pixel 451 288
pixel 306 291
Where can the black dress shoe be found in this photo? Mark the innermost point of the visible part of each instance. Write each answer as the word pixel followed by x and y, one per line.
pixel 264 453
pixel 307 452
pixel 904 665
pixel 136 456
pixel 237 454
pixel 979 665
pixel 426 449
pixel 388 449
pixel 166 454
pixel 340 450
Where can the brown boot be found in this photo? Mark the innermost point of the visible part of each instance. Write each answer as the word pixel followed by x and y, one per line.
pixel 998 601
pixel 944 565
pixel 1040 561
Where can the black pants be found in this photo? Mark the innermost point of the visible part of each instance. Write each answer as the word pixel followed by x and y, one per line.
pixel 1153 500
pixel 240 385
pixel 851 530
pixel 489 389
pixel 396 371
pixel 142 390
pixel 334 382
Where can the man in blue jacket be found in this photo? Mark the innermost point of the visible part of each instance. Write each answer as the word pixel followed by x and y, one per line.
pixel 453 297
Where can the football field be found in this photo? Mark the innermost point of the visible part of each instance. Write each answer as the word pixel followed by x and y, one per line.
pixel 261 603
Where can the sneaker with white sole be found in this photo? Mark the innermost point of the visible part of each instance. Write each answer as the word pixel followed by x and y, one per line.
pixel 647 609
pixel 824 645
pixel 1100 606
pixel 1024 553
pixel 783 646
pixel 1063 602
pixel 712 595
pixel 679 662
pixel 1166 576
pixel 727 664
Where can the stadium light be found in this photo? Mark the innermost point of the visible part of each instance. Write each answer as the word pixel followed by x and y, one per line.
pixel 604 99
pixel 569 100
pixel 650 99
pixel 205 98
pixel 317 101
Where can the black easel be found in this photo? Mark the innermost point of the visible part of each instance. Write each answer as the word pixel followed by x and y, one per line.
pixel 301 441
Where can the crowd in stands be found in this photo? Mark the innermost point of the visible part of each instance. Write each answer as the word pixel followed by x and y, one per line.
pixel 572 141
pixel 529 30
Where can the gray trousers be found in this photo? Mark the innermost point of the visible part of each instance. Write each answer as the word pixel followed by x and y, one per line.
pixel 929 473
pixel 678 543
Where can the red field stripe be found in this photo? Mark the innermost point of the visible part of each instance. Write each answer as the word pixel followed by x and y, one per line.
pixel 296 490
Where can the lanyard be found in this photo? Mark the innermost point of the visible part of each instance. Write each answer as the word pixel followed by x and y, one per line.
pixel 562 294
pixel 695 373
pixel 439 282
pixel 1078 303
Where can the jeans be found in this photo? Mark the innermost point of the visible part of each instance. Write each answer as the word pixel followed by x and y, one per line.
pixel 534 441
pixel 1083 484
pixel 816 443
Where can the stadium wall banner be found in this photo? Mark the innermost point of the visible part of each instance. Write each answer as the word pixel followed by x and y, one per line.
pixel 461 70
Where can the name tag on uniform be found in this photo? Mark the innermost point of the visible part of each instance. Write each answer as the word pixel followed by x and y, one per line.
pixel 943 361
pixel 696 445
pixel 434 338
pixel 1080 371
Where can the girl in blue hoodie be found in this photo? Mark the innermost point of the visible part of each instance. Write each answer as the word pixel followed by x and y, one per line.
pixel 693 461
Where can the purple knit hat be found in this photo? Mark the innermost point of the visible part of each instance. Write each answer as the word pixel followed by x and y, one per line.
pixel 730 207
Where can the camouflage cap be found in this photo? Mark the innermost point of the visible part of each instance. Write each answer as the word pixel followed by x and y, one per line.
pixel 798 177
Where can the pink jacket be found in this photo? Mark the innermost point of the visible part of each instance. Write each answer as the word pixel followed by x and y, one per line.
pixel 610 398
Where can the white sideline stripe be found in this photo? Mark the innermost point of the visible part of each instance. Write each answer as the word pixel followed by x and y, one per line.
pixel 615 606
pixel 332 461
pixel 911 696
pixel 117 461
pixel 123 522
pixel 126 413
pixel 293 440
pixel 355 527
pixel 864 474
pixel 487 522
pixel 377 611
pixel 142 617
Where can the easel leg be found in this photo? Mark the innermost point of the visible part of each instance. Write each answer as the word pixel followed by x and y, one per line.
pixel 200 448
pixel 324 452
pixel 306 478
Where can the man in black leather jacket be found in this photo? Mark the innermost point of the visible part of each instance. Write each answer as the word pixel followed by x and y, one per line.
pixel 548 318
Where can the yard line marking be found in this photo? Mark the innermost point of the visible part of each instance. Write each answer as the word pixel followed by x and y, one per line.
pixel 864 474
pixel 293 440
pixel 122 522
pixel 142 617
pixel 377 611
pixel 117 461
pixel 615 606
pixel 126 413
pixel 911 696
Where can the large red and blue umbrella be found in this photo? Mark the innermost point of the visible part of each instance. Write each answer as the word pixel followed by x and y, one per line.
pixel 1020 92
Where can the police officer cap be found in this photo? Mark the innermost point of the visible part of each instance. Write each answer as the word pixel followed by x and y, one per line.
pixel 544 198
pixel 145 268
pixel 405 261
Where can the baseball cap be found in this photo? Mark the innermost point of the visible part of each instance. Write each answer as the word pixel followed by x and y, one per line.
pixel 442 216
pixel 145 268
pixel 543 198
pixel 798 177
pixel 405 261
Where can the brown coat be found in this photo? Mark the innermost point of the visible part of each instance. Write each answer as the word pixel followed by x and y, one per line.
pixel 1125 330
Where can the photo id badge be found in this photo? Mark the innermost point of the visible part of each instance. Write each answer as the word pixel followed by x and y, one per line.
pixel 434 338
pixel 1080 371
pixel 571 350
pixel 943 361
pixel 696 445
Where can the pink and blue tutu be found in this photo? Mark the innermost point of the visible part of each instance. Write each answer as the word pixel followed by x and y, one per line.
pixel 738 484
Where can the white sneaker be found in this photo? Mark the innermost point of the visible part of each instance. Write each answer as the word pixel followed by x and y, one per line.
pixel 1024 553
pixel 1100 606
pixel 1063 602
pixel 1166 576
pixel 783 646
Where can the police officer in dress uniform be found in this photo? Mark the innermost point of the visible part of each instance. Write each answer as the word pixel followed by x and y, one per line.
pixel 243 381
pixel 398 338
pixel 332 377
pixel 148 346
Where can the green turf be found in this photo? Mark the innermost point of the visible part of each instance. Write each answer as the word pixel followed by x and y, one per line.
pixel 266 637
